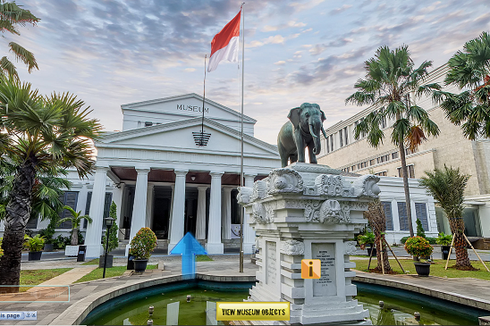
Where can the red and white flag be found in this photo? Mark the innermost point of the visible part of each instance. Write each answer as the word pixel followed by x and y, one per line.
pixel 224 45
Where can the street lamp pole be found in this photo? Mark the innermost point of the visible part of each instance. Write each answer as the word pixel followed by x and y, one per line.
pixel 108 223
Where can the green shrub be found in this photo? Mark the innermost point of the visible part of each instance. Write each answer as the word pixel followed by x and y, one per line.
pixel 143 244
pixel 431 240
pixel 403 240
pixel 418 247
pixel 113 240
pixel 444 239
pixel 1 250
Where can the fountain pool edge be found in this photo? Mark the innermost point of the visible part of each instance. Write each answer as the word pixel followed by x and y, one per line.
pixel 424 285
pixel 76 313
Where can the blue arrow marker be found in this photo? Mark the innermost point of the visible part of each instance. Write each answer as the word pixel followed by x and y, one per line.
pixel 188 247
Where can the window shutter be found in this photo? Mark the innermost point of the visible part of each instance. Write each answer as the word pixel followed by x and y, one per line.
pixel 388 214
pixel 421 212
pixel 402 213
pixel 69 199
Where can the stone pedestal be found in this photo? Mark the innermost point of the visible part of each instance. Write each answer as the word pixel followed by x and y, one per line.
pixel 307 211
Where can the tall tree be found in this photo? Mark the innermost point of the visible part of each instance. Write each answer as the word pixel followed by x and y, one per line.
pixel 42 134
pixel 447 187
pixel 389 82
pixel 470 71
pixel 12 15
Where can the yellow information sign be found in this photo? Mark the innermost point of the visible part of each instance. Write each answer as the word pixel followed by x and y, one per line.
pixel 252 311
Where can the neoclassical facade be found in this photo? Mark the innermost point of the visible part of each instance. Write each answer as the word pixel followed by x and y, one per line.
pixel 168 180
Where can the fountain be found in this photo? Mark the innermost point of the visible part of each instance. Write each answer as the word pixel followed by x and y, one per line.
pixel 309 211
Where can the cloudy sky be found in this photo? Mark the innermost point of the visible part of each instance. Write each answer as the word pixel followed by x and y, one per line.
pixel 113 52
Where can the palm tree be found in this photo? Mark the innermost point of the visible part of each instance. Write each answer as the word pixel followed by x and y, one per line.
pixel 377 220
pixel 42 134
pixel 76 220
pixel 12 15
pixel 470 70
pixel 389 82
pixel 447 187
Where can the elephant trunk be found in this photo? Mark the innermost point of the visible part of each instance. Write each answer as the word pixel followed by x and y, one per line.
pixel 316 139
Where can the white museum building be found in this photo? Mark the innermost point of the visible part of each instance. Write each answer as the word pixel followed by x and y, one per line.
pixel 162 174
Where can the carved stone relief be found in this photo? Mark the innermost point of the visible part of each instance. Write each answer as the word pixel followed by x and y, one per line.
pixel 259 190
pixel 333 212
pixel 259 213
pixel 244 195
pixel 366 185
pixel 293 247
pixel 331 185
pixel 350 247
pixel 284 181
pixel 312 210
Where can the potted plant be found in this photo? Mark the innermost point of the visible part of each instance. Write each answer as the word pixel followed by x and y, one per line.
pixel 367 239
pixel 48 233
pixel 113 240
pixel 76 222
pixel 419 247
pixel 445 241
pixel 142 245
pixel 34 245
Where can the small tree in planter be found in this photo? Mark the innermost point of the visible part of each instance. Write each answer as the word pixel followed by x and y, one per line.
pixel 420 229
pixel 113 240
pixel 142 245
pixel 34 245
pixel 76 221
pixel 419 247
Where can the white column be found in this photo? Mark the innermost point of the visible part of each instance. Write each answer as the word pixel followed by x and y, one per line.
pixel 214 245
pixel 248 232
pixel 226 214
pixel 177 226
pixel 82 200
pixel 117 198
pixel 140 199
pixel 201 213
pixel 149 205
pixel 93 236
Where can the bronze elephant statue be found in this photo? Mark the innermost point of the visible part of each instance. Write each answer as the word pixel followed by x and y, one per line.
pixel 303 130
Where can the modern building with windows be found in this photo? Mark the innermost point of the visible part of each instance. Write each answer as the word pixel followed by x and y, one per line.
pixel 342 151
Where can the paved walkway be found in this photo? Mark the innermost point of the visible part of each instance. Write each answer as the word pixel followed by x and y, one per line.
pixel 71 276
pixel 84 296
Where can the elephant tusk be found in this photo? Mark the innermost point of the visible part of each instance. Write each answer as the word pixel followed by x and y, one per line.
pixel 324 133
pixel 312 132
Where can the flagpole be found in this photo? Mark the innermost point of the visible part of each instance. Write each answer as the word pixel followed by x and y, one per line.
pixel 203 99
pixel 241 139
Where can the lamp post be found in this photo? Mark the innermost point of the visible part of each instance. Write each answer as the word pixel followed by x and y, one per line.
pixel 108 221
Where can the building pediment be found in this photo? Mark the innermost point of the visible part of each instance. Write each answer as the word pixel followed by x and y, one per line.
pixel 178 137
pixel 178 108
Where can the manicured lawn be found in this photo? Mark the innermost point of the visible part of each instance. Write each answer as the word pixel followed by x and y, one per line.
pixel 436 269
pixel 203 258
pixel 38 276
pixel 109 272
pixel 92 262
